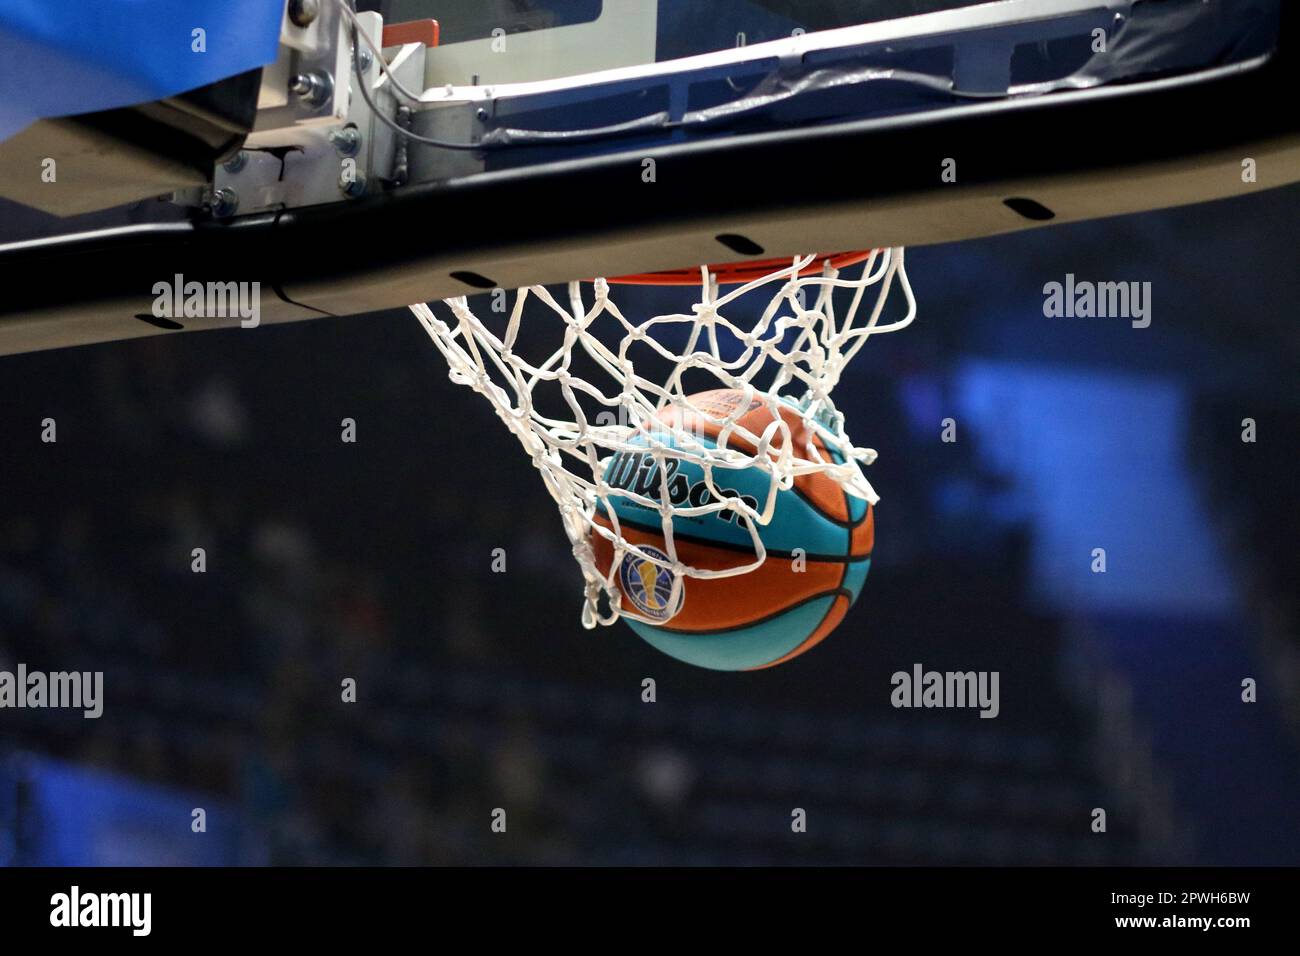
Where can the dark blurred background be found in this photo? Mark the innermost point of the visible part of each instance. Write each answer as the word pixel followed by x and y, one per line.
pixel 477 690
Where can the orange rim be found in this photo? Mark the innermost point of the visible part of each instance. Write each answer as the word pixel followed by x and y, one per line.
pixel 733 273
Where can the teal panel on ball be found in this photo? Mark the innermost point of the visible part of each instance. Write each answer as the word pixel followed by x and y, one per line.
pixel 744 647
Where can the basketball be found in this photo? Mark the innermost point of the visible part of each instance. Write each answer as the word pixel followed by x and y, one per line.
pixel 818 546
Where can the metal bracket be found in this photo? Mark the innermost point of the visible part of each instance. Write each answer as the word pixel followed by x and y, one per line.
pixel 318 160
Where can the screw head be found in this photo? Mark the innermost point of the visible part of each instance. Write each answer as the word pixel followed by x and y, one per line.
pixel 353 186
pixel 347 140
pixel 313 88
pixel 364 59
pixel 303 12
pixel 224 203
pixel 235 163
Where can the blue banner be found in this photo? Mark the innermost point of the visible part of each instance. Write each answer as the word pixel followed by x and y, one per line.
pixel 80 56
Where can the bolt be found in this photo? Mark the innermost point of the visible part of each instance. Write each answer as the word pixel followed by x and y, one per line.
pixel 224 203
pixel 364 59
pixel 235 163
pixel 347 140
pixel 313 88
pixel 353 185
pixel 303 12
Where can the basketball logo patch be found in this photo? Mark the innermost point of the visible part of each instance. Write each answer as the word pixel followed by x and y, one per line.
pixel 650 587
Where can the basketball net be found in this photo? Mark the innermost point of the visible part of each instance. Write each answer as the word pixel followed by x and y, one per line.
pixel 790 358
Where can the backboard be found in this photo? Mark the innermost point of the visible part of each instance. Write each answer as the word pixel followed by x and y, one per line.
pixel 555 139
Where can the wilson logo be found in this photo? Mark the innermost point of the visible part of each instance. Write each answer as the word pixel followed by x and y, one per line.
pixel 638 473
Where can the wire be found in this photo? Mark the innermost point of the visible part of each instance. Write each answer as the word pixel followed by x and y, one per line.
pixel 393 124
pixel 378 54
pixel 363 89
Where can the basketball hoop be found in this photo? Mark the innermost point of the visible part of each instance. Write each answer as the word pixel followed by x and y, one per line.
pixel 806 321
pixel 733 273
